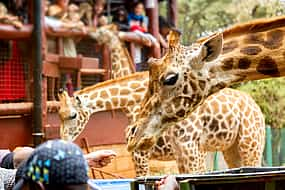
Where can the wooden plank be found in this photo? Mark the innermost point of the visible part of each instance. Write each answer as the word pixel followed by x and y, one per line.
pixel 24 108
pixel 90 63
pixel 9 32
pixel 15 131
pixel 52 58
pixel 51 70
pixel 93 71
pixel 60 32
pixel 69 62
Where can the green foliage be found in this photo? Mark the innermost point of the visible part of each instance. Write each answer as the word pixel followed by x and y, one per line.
pixel 200 17
pixel 269 94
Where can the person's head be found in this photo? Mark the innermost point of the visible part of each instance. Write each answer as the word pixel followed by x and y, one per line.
pixel 98 7
pixel 86 11
pixel 20 155
pixel 120 15
pixel 164 26
pixel 3 9
pixel 138 8
pixel 102 20
pixel 63 4
pixel 13 159
pixel 73 12
pixel 55 164
pixel 47 4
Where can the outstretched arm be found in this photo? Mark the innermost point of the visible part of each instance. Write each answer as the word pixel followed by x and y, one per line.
pixel 168 183
pixel 100 158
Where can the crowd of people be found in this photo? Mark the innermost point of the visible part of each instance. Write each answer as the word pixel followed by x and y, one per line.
pixel 56 164
pixel 83 15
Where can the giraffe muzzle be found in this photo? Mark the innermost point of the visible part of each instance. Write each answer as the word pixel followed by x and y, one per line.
pixel 144 144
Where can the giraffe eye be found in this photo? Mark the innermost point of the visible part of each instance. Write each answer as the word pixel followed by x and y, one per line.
pixel 170 79
pixel 78 100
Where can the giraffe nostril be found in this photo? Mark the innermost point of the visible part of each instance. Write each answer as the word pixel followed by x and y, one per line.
pixel 133 130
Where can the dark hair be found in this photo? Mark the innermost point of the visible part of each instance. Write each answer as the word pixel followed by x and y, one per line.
pixel 7 161
pixel 121 11
pixel 136 3
pixel 163 23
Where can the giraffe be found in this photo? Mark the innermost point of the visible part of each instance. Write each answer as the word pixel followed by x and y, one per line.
pixel 230 110
pixel 161 151
pixel 122 64
pixel 186 75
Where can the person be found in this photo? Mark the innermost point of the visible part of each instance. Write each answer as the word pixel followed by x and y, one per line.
pixel 137 21
pixel 100 158
pixel 164 28
pixel 55 164
pixel 167 183
pixel 138 24
pixel 120 18
pixel 64 16
pixel 58 164
pixel 12 160
pixel 86 12
pixel 98 9
pixel 6 18
pixel 7 178
pixel 102 20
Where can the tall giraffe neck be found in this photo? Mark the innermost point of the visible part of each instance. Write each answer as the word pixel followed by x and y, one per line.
pixel 122 64
pixel 116 93
pixel 251 56
pixel 123 93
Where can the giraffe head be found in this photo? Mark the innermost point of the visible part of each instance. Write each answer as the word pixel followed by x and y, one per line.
pixel 179 82
pixel 105 35
pixel 73 114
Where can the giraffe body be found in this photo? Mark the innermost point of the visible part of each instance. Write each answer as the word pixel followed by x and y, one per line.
pixel 228 121
pixel 185 76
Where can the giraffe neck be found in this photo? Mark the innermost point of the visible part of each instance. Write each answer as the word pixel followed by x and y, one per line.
pixel 252 56
pixel 123 93
pixel 122 64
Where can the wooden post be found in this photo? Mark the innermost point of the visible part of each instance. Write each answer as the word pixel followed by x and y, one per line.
pixel 172 12
pixel 40 83
pixel 153 25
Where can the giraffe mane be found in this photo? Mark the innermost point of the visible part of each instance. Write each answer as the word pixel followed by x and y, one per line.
pixel 130 61
pixel 257 25
pixel 106 83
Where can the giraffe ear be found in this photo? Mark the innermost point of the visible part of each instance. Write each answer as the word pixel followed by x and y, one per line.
pixel 212 47
pixel 173 38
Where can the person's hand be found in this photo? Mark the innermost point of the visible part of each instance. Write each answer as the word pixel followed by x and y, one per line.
pixel 100 158
pixel 167 183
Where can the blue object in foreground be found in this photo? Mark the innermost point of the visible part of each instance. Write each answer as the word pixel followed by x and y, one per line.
pixel 109 184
